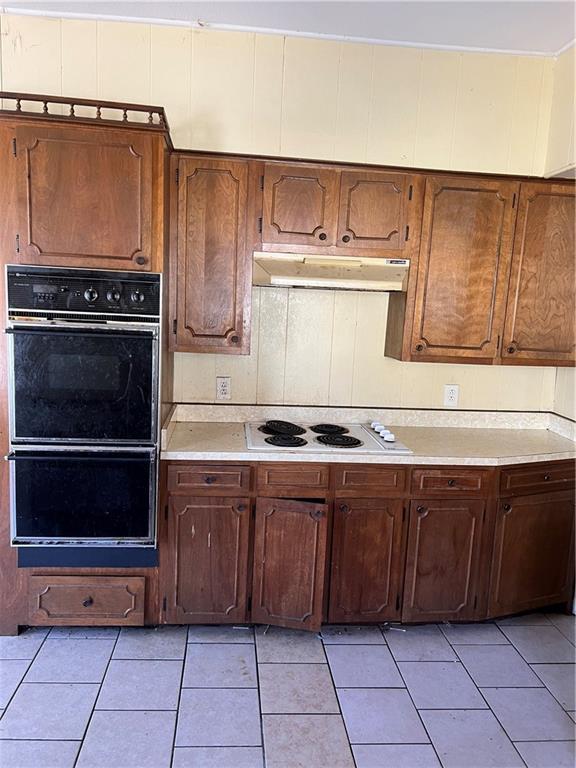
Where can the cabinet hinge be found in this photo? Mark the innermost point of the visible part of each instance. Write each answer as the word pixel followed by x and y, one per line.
pixel 514 201
pixel 260 224
pixel 410 190
pixel 262 182
pixel 249 603
pixel 14 149
pixel 407 235
pixel 397 602
pixel 174 325
pixel 177 175
pixel 164 604
pixel 17 243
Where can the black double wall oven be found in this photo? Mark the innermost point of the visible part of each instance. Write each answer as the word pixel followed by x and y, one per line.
pixel 84 377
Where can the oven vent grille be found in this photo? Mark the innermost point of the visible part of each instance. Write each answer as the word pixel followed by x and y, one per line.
pixel 83 317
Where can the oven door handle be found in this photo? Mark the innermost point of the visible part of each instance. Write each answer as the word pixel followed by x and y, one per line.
pixel 14 457
pixel 111 334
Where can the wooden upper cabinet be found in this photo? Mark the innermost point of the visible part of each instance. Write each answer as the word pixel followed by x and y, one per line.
pixel 89 197
pixel 367 560
pixel 465 252
pixel 372 211
pixel 289 563
pixel 300 205
pixel 206 560
pixel 211 260
pixel 540 310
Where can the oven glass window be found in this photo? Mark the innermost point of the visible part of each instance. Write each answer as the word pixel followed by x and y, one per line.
pixel 82 495
pixel 83 385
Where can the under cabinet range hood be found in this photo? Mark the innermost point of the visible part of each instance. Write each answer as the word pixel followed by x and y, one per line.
pixel 292 270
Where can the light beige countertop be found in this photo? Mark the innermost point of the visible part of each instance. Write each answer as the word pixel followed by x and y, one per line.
pixel 225 441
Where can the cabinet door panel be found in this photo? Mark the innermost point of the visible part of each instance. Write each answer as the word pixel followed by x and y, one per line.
pixel 533 553
pixel 85 197
pixel 444 541
pixel 289 563
pixel 213 264
pixel 300 205
pixel 367 560
pixel 463 268
pixel 541 306
pixel 207 560
pixel 372 210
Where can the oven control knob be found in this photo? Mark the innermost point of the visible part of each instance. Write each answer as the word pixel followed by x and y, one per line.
pixel 90 294
pixel 113 295
pixel 136 297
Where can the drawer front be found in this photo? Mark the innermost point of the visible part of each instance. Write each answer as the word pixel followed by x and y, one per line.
pixel 533 479
pixel 292 479
pixel 359 481
pixel 193 479
pixel 86 600
pixel 468 482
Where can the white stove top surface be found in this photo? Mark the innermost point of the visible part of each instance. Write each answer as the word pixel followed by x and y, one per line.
pixel 371 442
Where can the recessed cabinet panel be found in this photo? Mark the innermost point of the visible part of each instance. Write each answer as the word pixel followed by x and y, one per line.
pixel 289 563
pixel 300 205
pixel 372 210
pixel 442 558
pixel 206 573
pixel 464 263
pixel 367 560
pixel 211 279
pixel 533 553
pixel 85 196
pixel 541 306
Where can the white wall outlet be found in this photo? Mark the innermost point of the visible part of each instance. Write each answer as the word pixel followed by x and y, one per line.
pixel 451 394
pixel 223 388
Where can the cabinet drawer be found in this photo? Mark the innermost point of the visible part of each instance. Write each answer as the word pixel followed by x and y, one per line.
pixel 190 478
pixel 474 482
pixel 292 480
pixel 535 478
pixel 359 481
pixel 86 600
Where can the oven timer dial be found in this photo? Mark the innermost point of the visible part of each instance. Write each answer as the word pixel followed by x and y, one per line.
pixel 90 294
pixel 113 295
pixel 136 297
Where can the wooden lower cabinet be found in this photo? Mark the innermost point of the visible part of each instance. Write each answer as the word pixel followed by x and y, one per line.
pixel 367 560
pixel 289 563
pixel 533 553
pixel 206 573
pixel 442 560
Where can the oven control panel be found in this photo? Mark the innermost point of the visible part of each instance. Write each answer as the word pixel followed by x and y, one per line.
pixel 48 289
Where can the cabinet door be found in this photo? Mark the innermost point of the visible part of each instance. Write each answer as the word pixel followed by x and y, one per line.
pixel 206 568
pixel 533 553
pixel 300 205
pixel 85 196
pixel 444 540
pixel 367 560
pixel 289 563
pixel 211 275
pixel 463 268
pixel 540 309
pixel 372 211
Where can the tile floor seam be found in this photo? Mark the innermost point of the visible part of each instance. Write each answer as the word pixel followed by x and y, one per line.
pixel 259 698
pixel 30 662
pixel 178 702
pixel 342 718
pixel 96 700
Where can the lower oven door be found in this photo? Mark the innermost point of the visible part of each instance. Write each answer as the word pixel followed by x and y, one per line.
pixel 90 496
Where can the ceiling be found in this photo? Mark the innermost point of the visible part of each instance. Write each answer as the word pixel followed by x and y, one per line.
pixel 541 27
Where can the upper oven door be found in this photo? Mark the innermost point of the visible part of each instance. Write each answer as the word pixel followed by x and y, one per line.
pixel 80 385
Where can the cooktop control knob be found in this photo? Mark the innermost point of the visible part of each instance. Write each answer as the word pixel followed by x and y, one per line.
pixel 390 437
pixel 376 426
pixel 113 295
pixel 383 432
pixel 136 297
pixel 90 294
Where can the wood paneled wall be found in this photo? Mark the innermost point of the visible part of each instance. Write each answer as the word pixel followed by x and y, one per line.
pixel 561 155
pixel 327 348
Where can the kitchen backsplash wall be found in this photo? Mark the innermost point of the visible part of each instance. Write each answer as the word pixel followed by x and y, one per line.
pixel 266 94
pixel 314 347
pixel 565 393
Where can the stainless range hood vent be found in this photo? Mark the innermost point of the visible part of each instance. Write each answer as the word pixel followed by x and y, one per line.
pixel 291 270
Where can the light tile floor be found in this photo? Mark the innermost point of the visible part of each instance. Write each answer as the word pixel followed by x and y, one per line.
pixel 493 695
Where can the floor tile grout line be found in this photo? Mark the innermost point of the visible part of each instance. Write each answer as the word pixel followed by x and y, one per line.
pixel 96 699
pixel 565 709
pixel 338 702
pixel 501 724
pixel 180 689
pixel 30 662
pixel 261 713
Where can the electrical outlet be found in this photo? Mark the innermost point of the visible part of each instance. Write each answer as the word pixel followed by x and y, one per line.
pixel 223 388
pixel 451 394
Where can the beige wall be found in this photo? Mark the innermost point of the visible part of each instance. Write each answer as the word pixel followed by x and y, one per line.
pixel 565 393
pixel 327 348
pixel 561 133
pixel 266 94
